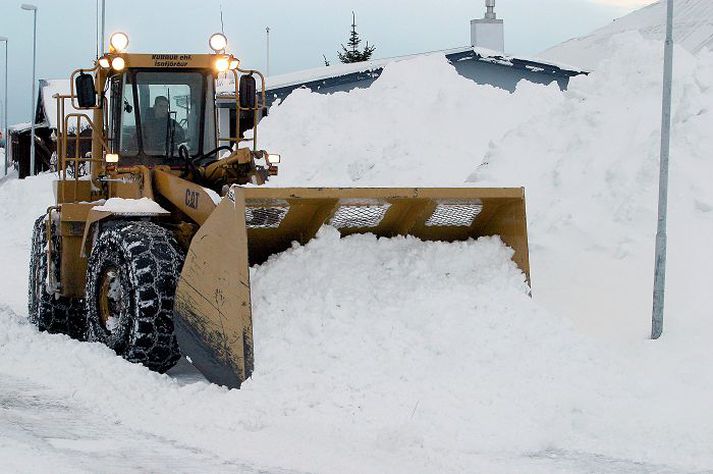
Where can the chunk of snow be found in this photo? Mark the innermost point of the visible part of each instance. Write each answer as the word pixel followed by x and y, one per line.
pixel 143 206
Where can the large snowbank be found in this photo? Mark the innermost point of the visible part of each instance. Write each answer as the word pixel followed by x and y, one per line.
pixel 592 183
pixel 420 123
pixel 403 356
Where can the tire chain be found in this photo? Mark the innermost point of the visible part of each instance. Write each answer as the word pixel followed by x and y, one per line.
pixel 152 263
pixel 51 313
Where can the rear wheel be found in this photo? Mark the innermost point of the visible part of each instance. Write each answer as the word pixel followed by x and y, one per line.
pixel 51 313
pixel 131 282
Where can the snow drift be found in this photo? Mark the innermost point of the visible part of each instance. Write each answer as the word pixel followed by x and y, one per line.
pixel 420 124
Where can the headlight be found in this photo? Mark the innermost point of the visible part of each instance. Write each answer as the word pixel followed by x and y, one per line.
pixel 273 159
pixel 104 63
pixel 222 64
pixel 112 158
pixel 118 63
pixel 119 41
pixel 234 63
pixel 218 42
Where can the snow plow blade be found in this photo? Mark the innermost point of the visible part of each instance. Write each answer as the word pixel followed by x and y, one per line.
pixel 213 315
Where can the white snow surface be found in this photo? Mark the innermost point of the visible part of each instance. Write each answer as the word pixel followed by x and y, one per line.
pixel 394 355
pixel 143 206
pixel 693 30
pixel 420 123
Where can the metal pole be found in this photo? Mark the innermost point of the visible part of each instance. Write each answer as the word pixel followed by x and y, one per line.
pixel 96 26
pixel 267 68
pixel 103 25
pixel 660 268
pixel 7 46
pixel 5 132
pixel 34 84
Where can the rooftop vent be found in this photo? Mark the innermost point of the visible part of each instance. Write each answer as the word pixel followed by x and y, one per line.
pixel 489 31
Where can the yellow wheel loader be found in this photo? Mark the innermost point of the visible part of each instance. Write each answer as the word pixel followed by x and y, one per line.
pixel 148 246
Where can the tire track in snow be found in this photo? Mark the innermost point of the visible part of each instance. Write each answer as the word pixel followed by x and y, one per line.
pixel 42 430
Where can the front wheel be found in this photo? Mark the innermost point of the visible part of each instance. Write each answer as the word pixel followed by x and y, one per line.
pixel 131 283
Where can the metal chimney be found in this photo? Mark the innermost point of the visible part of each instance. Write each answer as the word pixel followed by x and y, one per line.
pixel 490 10
pixel 488 32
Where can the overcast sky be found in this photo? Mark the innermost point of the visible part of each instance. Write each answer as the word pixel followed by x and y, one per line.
pixel 301 31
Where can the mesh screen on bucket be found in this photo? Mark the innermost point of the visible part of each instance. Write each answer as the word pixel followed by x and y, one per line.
pixel 457 214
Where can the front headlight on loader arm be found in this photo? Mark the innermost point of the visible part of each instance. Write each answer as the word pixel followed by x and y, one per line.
pixel 118 64
pixel 222 64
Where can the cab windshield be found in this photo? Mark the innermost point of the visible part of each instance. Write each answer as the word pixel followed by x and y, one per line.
pixel 163 110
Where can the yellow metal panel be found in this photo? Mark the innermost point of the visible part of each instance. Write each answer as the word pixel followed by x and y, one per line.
pixel 73 269
pixel 213 321
pixel 75 212
pixel 190 198
pixel 68 191
pixel 196 61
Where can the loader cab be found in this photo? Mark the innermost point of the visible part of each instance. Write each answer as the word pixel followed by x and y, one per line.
pixel 154 112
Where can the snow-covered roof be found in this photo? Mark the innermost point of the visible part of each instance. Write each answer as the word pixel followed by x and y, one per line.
pixel 338 70
pixel 20 127
pixel 693 29
pixel 48 89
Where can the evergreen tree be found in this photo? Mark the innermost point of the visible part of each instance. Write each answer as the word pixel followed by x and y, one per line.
pixel 351 52
pixel 326 61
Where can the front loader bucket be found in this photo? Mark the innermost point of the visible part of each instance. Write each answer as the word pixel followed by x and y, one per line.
pixel 213 317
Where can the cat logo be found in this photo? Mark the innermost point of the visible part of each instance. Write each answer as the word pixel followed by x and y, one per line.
pixel 192 199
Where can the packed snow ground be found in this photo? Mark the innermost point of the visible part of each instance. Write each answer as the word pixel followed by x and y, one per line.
pixel 403 356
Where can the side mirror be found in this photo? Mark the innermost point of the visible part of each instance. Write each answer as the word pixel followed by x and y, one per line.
pixel 86 92
pixel 248 92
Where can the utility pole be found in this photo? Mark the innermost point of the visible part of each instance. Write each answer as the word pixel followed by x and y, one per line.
pixel 267 62
pixel 33 9
pixel 101 51
pixel 96 26
pixel 660 266
pixel 4 116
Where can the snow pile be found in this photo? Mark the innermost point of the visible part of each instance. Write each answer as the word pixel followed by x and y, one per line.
pixel 389 355
pixel 420 123
pixel 592 184
pixel 21 202
pixel 588 159
pixel 693 29
pixel 131 207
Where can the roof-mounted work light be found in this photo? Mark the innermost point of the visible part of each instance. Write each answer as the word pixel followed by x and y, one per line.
pixel 119 41
pixel 218 42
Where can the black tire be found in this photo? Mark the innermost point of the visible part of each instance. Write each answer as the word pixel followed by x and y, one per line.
pixel 131 283
pixel 51 313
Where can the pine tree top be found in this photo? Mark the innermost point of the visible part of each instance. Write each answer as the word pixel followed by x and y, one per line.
pixel 351 53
